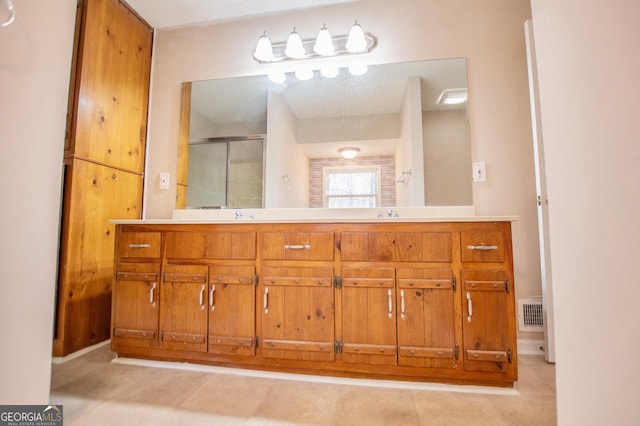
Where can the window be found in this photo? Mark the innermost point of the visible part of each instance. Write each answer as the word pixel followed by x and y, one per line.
pixel 352 186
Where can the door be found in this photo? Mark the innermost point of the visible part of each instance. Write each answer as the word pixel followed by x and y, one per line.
pixel 368 316
pixel 487 315
pixel 232 310
pixel 298 313
pixel 183 308
pixel 135 305
pixel 426 318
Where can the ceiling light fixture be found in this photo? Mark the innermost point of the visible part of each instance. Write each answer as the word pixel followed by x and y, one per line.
pixel 12 14
pixel 453 96
pixel 324 45
pixel 349 153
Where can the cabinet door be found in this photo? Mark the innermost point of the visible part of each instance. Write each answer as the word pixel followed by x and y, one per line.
pixel 426 318
pixel 135 305
pixel 232 308
pixel 488 314
pixel 298 313
pixel 183 308
pixel 368 316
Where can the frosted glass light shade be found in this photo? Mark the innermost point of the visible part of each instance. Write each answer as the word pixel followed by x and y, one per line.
pixel 329 71
pixel 356 41
pixel 294 49
pixel 349 153
pixel 304 74
pixel 264 50
pixel 324 43
pixel 358 69
pixel 277 76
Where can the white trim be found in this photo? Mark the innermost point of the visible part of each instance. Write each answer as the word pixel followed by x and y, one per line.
pixel 74 355
pixel 530 347
pixel 391 384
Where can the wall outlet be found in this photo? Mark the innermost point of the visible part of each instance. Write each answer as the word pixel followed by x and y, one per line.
pixel 479 172
pixel 163 181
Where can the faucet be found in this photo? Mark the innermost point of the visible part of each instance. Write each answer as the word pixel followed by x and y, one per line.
pixel 239 214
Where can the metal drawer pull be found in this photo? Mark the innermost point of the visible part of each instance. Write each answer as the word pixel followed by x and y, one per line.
pixel 390 294
pixel 297 246
pixel 151 294
pixel 139 245
pixel 402 304
pixel 265 300
pixel 213 289
pixel 469 306
pixel 482 247
pixel 202 296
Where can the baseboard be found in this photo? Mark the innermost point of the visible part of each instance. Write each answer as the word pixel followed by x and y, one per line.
pixel 530 347
pixel 74 355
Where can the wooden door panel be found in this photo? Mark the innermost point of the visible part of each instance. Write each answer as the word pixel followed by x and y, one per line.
pixel 298 313
pixel 231 301
pixel 135 306
pixel 112 87
pixel 183 313
pixel 396 246
pixel 487 346
pixel 231 245
pixel 368 316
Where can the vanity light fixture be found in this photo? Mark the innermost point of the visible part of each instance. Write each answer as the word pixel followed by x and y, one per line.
pixel 329 71
pixel 453 96
pixel 349 153
pixel 12 14
pixel 304 74
pixel 324 45
pixel 358 69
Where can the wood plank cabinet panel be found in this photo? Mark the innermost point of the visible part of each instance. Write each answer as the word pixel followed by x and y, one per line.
pixel 298 246
pixel 232 307
pixel 135 305
pixel 426 323
pixel 112 85
pixel 368 316
pixel 396 246
pixel 298 313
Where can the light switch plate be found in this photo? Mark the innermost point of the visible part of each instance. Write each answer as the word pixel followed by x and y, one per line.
pixel 479 172
pixel 163 181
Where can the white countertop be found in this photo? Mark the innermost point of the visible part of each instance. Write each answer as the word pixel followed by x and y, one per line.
pixel 309 215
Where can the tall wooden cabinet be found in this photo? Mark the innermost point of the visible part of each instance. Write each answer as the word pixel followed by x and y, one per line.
pixel 104 164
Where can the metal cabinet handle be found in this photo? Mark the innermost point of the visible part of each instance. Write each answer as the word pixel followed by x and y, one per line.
pixel 152 299
pixel 482 247
pixel 297 246
pixel 469 307
pixel 402 304
pixel 202 296
pixel 139 245
pixel 390 295
pixel 265 300
pixel 213 289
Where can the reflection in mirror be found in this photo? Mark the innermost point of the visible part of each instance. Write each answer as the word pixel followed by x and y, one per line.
pixel 226 173
pixel 369 112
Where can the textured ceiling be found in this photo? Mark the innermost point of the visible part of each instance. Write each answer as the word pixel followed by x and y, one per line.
pixel 175 13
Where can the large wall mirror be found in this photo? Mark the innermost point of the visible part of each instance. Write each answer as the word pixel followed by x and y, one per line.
pixel 230 126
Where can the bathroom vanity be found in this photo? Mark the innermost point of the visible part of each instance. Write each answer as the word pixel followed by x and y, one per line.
pixel 406 297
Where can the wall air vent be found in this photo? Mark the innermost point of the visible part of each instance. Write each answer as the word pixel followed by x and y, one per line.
pixel 530 316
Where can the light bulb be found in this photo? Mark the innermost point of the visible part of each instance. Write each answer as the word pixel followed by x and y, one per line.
pixel 358 69
pixel 264 50
pixel 356 41
pixel 329 71
pixel 277 76
pixel 324 44
pixel 295 49
pixel 304 74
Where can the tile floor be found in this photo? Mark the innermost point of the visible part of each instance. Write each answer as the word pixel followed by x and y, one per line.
pixel 96 391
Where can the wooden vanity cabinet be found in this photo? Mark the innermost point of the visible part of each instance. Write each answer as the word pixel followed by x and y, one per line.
pixel 412 301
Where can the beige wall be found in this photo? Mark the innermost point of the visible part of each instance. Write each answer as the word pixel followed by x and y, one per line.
pixel 589 71
pixel 35 62
pixel 489 34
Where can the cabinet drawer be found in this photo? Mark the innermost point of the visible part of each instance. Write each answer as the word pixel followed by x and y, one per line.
pixel 298 245
pixel 211 245
pixel 139 244
pixel 484 246
pixel 396 246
